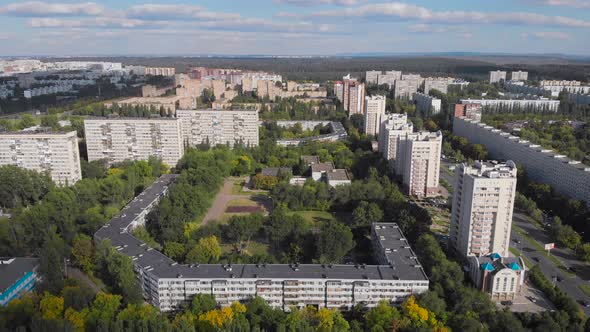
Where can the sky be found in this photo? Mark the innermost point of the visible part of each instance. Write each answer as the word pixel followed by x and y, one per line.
pixel 292 27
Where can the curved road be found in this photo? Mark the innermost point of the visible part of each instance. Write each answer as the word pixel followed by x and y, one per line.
pixel 569 282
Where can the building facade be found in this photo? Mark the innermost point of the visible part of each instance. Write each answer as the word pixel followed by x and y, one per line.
pixel 54 153
pixel 405 89
pixel 226 127
pixel 426 104
pixel 170 286
pixel 394 126
pixel 417 162
pixel 497 76
pixel 356 98
pixel 519 75
pixel 483 203
pixel 568 177
pixel 501 277
pixel 120 139
pixel 374 114
pixel 536 105
pixel 469 111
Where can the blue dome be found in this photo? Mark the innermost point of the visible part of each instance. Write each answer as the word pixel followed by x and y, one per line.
pixel 514 266
pixel 496 255
pixel 487 267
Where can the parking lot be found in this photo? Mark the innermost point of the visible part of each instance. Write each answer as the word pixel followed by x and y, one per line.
pixel 529 300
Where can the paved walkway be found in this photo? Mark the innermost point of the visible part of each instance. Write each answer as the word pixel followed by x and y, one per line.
pixel 75 273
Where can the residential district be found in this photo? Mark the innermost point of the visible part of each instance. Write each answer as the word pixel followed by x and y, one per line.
pixel 466 176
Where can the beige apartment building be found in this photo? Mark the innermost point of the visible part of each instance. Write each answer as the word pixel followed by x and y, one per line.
pixel 374 114
pixel 405 89
pixel 121 139
pixel 54 153
pixel 483 203
pixel 168 103
pixel 356 95
pixel 219 127
pixel 418 161
pixel 393 126
pixel 519 75
pixel 497 76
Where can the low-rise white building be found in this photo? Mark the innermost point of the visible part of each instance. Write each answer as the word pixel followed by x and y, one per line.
pixel 171 286
pixel 501 277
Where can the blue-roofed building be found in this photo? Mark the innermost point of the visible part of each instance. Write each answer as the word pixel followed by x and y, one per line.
pixel 18 276
pixel 501 277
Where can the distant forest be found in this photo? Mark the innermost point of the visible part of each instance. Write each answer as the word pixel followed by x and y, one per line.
pixel 331 68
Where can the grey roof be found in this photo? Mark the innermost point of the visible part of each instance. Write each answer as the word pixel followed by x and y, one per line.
pixel 310 159
pixel 398 252
pixel 274 171
pixel 154 262
pixel 16 269
pixel 322 167
pixel 337 175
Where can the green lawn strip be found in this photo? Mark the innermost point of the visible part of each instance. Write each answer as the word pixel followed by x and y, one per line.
pixel 447 170
pixel 315 216
pixel 540 248
pixel 585 288
pixel 517 253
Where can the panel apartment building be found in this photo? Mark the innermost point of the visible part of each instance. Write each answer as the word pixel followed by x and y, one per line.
pixel 170 286
pixel 483 203
pixel 568 177
pixel 120 139
pixel 497 76
pixel 417 162
pixel 538 105
pixel 54 153
pixel 374 113
pixel 394 126
pixel 219 127
pixel 426 104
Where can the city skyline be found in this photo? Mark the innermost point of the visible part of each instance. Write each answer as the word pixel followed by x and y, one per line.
pixel 293 27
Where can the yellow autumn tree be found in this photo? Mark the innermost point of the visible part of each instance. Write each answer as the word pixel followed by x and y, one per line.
pixel 52 307
pixel 420 316
pixel 218 317
pixel 76 318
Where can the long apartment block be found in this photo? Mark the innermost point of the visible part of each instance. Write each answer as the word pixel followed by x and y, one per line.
pixel 170 286
pixel 568 177
pixel 120 139
pixel 537 105
pixel 54 153
pixel 226 127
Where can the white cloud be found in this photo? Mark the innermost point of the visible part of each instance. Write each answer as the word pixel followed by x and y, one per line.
pixel 176 12
pixel 307 3
pixel 98 22
pixel 426 28
pixel 411 12
pixel 566 3
pixel 556 35
pixel 39 8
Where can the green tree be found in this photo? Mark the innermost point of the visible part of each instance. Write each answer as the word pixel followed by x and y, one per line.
pixel 83 252
pixel 175 250
pixel 333 242
pixel 207 250
pixel 202 303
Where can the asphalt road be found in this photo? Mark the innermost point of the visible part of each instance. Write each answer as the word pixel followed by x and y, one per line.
pixel 569 282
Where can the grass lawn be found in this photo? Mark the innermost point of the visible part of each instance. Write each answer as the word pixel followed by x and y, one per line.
pixel 236 188
pixel 315 216
pixel 585 289
pixel 246 201
pixel 517 253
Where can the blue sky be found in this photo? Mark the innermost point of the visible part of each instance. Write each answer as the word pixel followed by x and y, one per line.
pixel 292 27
